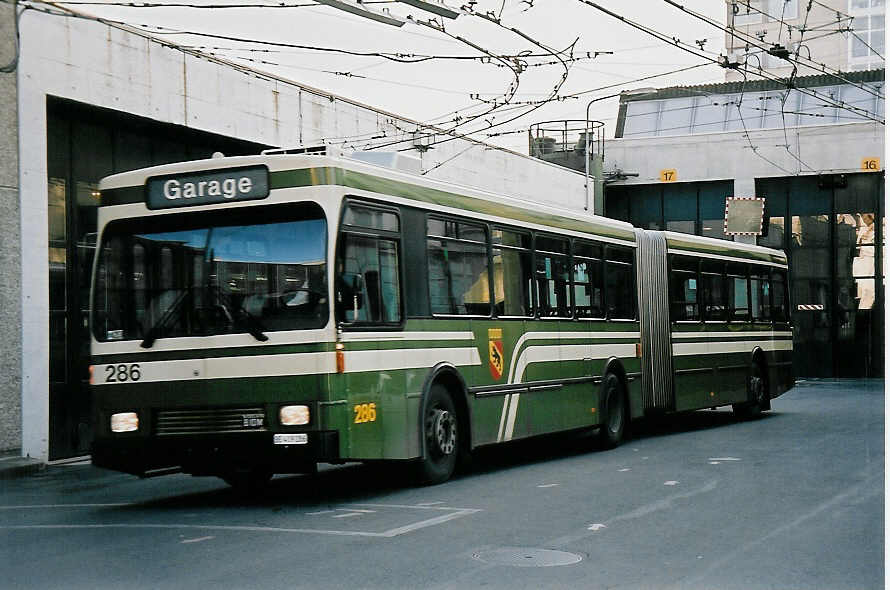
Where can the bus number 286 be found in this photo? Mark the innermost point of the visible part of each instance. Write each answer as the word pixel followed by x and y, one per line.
pixel 122 373
pixel 365 413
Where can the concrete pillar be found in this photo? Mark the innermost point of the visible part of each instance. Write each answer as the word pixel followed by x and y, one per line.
pixel 10 240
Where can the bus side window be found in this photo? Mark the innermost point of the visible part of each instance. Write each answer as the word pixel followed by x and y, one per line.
pixel 737 288
pixel 684 289
pixel 458 268
pixel 713 292
pixel 587 277
pixel 368 289
pixel 511 258
pixel 760 295
pixel 621 297
pixel 779 294
pixel 552 271
pixel 368 285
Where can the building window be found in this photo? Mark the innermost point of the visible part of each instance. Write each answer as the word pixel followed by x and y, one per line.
pixel 782 10
pixel 745 13
pixel 866 40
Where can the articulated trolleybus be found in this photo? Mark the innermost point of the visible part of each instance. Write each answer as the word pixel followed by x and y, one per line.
pixel 261 314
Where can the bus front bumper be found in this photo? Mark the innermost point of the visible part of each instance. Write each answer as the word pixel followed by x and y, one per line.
pixel 215 454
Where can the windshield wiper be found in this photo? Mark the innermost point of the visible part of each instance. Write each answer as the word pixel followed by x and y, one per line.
pixel 254 327
pixel 155 331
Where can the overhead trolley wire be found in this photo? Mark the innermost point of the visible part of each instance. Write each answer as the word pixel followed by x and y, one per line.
pixel 750 40
pixel 687 48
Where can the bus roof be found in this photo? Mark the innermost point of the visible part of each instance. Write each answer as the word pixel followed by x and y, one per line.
pixel 301 170
pixel 679 243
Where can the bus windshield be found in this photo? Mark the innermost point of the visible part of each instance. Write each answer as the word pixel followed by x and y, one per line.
pixel 253 270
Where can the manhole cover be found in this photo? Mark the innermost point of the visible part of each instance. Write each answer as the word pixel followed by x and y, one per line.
pixel 527 557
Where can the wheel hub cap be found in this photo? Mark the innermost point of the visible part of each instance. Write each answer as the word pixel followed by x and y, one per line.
pixel 443 431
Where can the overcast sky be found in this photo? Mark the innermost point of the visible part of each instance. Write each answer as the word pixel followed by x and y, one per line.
pixel 436 90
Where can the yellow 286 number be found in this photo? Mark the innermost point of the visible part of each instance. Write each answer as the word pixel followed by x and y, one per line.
pixel 365 413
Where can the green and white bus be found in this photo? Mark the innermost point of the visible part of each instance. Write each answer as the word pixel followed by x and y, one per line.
pixel 261 314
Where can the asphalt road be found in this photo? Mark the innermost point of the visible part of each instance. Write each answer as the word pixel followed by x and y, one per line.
pixel 791 500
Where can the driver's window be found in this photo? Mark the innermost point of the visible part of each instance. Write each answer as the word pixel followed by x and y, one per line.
pixel 368 287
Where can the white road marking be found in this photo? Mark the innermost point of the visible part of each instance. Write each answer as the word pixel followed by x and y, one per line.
pixel 347 515
pixel 548 485
pixel 356 510
pixel 596 527
pixel 429 503
pixel 645 510
pixel 198 540
pixel 865 489
pixel 452 513
pixel 623 470
pixel 724 459
pixel 53 506
pixel 319 512
pixel 671 483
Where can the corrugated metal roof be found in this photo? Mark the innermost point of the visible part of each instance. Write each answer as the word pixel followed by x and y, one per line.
pixel 724 88
pixel 759 85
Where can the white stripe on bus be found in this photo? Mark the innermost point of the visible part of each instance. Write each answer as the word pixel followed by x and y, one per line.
pixel 387 336
pixel 690 348
pixel 757 335
pixel 285 365
pixel 698 254
pixel 511 376
pixel 553 353
pixel 408 358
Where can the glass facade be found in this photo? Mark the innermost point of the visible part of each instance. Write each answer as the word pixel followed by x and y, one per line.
pixel 84 144
pixel 687 207
pixel 831 227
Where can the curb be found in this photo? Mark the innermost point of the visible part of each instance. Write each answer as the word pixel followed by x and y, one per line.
pixel 20 467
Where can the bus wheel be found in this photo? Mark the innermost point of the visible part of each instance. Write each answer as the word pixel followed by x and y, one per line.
pixel 614 413
pixel 247 480
pixel 756 394
pixel 441 437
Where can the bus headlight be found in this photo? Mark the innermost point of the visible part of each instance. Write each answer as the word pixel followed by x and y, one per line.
pixel 125 422
pixel 293 415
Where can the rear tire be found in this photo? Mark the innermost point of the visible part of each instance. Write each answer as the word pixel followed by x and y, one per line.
pixel 442 437
pixel 614 412
pixel 757 394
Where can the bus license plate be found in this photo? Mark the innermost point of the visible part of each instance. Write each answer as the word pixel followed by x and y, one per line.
pixel 290 439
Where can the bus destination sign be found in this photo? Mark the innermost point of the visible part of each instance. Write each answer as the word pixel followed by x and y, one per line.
pixel 205 188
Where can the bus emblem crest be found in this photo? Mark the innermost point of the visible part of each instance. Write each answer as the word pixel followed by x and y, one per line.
pixel 496 352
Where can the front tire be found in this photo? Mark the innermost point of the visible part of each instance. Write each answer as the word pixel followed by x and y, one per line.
pixel 614 412
pixel 442 437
